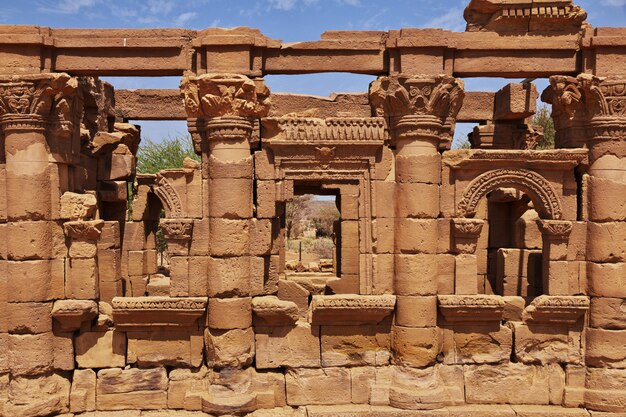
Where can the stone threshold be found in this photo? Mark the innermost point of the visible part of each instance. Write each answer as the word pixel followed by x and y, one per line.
pixel 359 410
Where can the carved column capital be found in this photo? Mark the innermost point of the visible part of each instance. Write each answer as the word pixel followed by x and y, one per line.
pixel 587 108
pixel 37 102
pixel 418 106
pixel 177 229
pixel 223 106
pixel 555 229
pixel 83 230
pixel 466 233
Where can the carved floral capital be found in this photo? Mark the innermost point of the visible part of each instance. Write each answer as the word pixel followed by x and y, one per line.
pixel 83 230
pixel 42 98
pixel 177 229
pixel 468 228
pixel 218 95
pixel 555 229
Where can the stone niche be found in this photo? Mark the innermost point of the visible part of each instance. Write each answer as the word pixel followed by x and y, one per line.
pixel 483 282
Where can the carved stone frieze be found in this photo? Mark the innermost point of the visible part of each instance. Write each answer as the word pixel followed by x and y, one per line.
pixel 137 313
pixel 556 17
pixel 218 95
pixel 177 229
pixel 45 100
pixel 466 233
pixel 76 206
pixel 275 312
pixel 556 309
pixel 471 308
pixel 168 195
pixel 333 130
pixel 351 309
pixel 538 188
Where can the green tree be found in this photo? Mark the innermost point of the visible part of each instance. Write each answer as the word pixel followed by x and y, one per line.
pixel 543 118
pixel 323 221
pixel 296 211
pixel 152 156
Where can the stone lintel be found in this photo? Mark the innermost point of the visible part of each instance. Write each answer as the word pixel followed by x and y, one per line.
pixel 556 309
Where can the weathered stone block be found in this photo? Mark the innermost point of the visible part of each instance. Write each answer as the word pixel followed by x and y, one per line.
pixel 37 281
pixel 229 277
pixel 544 344
pixel 424 207
pixel 24 318
pixel 100 349
pixel 416 274
pixel 229 237
pixel 606 280
pixel 235 200
pixel 230 313
pixel 81 281
pixel 476 344
pixel 131 389
pixel 290 346
pixel 416 311
pixel 169 348
pixel 416 235
pixel 83 391
pixel 609 242
pixel 355 345
pixel 38 395
pixel 525 384
pixel 606 348
pixel 318 386
pixel 229 348
pixel 416 346
pixel 608 313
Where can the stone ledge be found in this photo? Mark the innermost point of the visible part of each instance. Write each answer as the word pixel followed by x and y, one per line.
pixel 471 308
pixel 556 309
pixel 337 310
pixel 150 313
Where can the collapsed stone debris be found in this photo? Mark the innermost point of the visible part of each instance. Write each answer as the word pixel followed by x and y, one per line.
pixel 478 282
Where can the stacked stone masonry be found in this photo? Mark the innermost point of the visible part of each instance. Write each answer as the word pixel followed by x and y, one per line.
pixel 484 282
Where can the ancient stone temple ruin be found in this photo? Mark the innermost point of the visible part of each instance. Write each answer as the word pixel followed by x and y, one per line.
pixel 478 282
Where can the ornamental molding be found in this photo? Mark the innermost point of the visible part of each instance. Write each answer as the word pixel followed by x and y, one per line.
pixel 537 187
pixel 351 309
pixel 151 313
pixel 273 311
pixel 336 131
pixel 168 195
pixel 217 95
pixel 471 308
pixel 556 309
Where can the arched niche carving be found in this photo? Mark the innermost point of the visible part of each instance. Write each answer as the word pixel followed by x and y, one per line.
pixel 539 190
pixel 172 203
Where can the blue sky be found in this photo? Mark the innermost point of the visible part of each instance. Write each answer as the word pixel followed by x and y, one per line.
pixel 289 20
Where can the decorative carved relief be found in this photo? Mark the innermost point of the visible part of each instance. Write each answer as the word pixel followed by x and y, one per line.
pixel 471 308
pixel 351 309
pixel 169 197
pixel 83 230
pixel 556 309
pixel 43 95
pixel 148 313
pixel 560 16
pixel 401 95
pixel 217 95
pixel 332 130
pixel 538 189
pixel 177 229
pixel 597 103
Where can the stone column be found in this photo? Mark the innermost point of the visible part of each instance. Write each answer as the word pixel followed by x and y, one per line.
pixel 590 111
pixel 222 109
pixel 37 115
pixel 555 266
pixel 466 233
pixel 420 111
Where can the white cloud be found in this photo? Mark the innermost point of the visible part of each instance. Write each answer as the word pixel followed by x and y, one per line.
pixel 451 20
pixel 183 18
pixel 615 3
pixel 162 7
pixel 283 4
pixel 68 6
